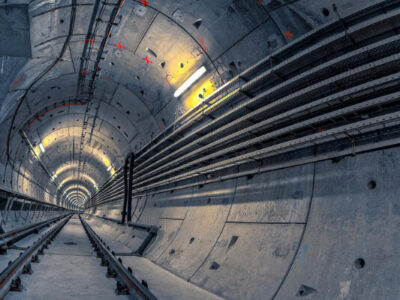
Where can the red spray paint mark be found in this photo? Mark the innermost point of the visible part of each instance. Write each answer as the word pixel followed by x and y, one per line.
pixel 160 126
pixel 49 110
pixel 146 59
pixel 119 45
pixel 288 35
pixel 203 46
pixel 91 41
pixel 144 2
pixel 166 79
pixel 108 78
pixel 320 130
pixel 16 82
pixel 84 72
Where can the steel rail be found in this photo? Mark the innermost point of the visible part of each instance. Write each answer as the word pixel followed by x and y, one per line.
pixel 356 149
pixel 311 140
pixel 115 267
pixel 297 60
pixel 10 276
pixel 275 105
pixel 221 135
pixel 244 106
pixel 11 237
pixel 313 122
pixel 291 89
pixel 22 196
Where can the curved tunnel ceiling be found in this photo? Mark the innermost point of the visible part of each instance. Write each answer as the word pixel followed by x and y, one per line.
pixel 99 80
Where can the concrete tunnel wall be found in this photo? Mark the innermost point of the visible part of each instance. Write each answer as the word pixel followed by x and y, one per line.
pixel 326 230
pixel 256 29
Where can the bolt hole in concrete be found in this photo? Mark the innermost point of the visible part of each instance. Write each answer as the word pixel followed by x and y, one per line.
pixel 372 184
pixel 305 291
pixel 325 12
pixel 70 243
pixel 359 263
pixel 214 266
pixel 197 23
pixel 145 284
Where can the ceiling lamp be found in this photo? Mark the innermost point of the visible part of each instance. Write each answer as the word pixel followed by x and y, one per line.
pixel 42 148
pixel 192 79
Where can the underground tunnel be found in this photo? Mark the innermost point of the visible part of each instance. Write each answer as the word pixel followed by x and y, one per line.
pixel 198 149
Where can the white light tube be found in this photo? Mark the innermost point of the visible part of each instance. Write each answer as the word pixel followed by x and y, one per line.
pixel 192 79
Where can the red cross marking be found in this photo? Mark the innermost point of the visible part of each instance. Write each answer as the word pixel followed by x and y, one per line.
pixel 144 2
pixel 91 41
pixel 146 59
pixel 120 46
pixel 84 72
pixel 289 34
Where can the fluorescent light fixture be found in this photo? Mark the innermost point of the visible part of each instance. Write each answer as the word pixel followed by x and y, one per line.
pixel 192 79
pixel 109 168
pixel 42 148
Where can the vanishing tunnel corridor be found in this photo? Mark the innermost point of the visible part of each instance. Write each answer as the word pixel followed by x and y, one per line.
pixel 198 149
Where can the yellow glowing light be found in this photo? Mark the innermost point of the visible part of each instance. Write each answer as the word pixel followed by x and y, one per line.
pixel 105 160
pixel 190 81
pixel 74 132
pixel 75 192
pixel 205 89
pixel 36 151
pixel 64 168
pixel 84 176
pixel 80 187
pixel 112 171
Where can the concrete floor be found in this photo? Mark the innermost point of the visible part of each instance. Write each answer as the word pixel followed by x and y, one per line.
pixel 68 271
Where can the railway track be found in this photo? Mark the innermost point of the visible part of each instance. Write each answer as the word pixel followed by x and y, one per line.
pixel 10 277
pixel 331 93
pixel 20 279
pixel 127 284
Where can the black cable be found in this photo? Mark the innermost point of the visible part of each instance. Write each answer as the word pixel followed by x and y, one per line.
pixel 59 58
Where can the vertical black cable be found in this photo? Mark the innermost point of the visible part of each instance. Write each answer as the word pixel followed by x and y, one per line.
pixel 123 212
pixel 130 183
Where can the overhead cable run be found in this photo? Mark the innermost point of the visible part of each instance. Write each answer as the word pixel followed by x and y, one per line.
pixel 306 102
pixel 98 16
